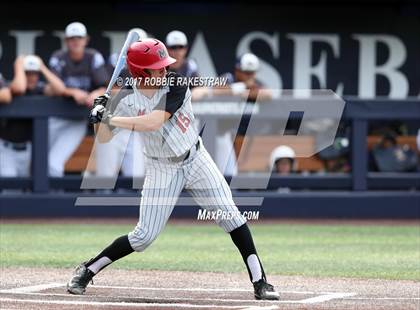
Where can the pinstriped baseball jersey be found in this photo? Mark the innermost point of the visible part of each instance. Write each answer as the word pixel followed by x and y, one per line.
pixel 178 134
pixel 164 182
pixel 165 179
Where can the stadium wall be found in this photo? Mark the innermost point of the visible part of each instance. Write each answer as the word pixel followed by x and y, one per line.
pixel 362 49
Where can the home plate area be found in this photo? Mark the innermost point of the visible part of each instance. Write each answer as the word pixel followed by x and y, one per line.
pixel 157 297
pixel 39 288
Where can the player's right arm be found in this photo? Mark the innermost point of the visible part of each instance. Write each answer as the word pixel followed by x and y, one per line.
pixel 101 114
pixel 97 117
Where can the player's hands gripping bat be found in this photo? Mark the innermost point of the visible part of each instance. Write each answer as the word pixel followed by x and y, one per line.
pixel 99 113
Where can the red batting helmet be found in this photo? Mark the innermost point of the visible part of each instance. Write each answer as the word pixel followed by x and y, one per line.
pixel 147 54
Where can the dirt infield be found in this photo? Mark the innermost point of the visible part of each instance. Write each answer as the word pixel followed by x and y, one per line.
pixel 36 288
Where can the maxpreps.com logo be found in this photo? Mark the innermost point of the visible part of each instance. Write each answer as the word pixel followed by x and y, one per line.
pixel 162 53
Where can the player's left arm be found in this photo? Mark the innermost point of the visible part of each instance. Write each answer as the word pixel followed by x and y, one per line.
pixel 163 111
pixel 149 122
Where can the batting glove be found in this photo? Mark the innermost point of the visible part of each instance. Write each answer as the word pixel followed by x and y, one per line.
pixel 100 114
pixel 96 114
pixel 101 100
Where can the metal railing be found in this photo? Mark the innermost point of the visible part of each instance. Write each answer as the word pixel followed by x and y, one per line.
pixel 357 112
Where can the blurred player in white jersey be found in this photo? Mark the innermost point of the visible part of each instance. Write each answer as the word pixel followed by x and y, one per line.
pixel 16 134
pixel 84 74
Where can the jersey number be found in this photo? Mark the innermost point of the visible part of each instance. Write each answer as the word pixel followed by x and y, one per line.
pixel 183 122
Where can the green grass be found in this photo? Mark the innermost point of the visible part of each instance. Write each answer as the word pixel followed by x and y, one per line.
pixel 390 252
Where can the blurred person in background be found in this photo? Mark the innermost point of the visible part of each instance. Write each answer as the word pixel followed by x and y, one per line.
pixel 5 98
pixel 336 157
pixel 16 134
pixel 283 160
pixel 388 156
pixel 177 44
pixel 27 79
pixel 5 93
pixel 85 77
pixel 242 83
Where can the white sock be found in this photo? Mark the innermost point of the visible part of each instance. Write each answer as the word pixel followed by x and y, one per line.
pixel 99 264
pixel 255 267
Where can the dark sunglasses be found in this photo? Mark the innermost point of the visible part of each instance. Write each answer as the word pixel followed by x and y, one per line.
pixel 176 47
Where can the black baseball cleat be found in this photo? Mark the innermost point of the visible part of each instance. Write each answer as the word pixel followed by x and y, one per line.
pixel 265 291
pixel 81 277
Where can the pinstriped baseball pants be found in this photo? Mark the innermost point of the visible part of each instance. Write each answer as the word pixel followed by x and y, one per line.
pixel 163 184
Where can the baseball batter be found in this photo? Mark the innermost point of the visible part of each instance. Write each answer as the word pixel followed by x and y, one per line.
pixel 176 159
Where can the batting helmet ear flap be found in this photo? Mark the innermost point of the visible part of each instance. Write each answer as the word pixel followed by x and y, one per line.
pixel 138 72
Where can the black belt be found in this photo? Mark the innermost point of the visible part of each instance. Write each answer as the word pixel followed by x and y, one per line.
pixel 182 157
pixel 16 146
